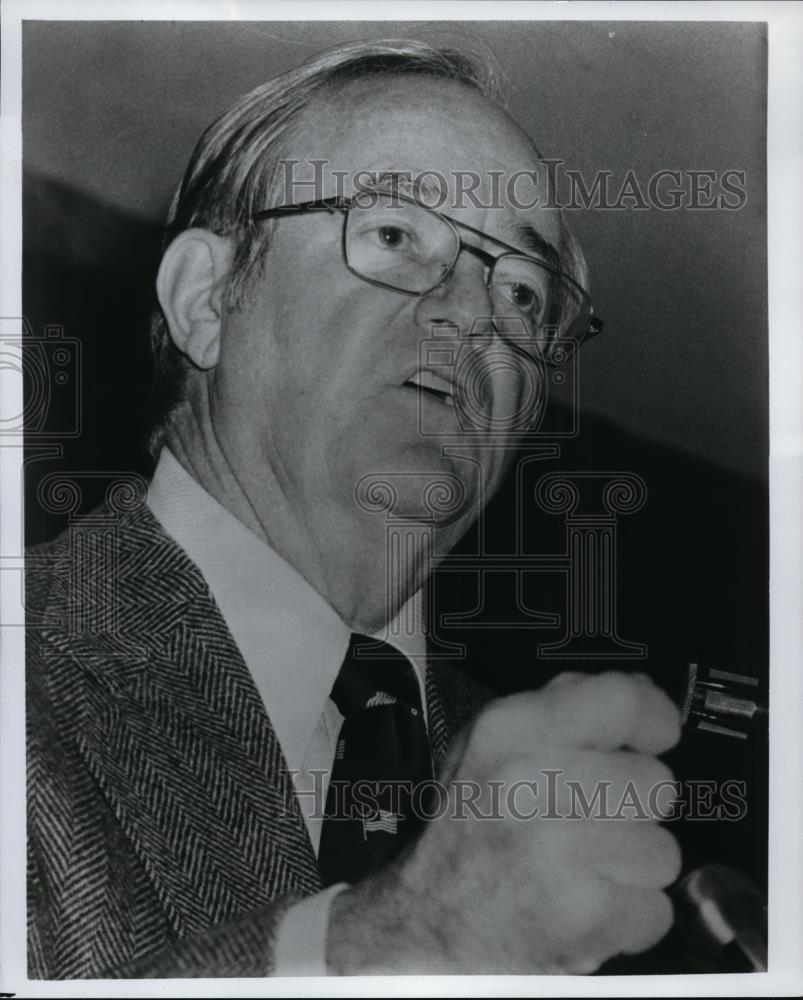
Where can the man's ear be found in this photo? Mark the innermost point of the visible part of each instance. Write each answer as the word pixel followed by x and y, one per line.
pixel 190 286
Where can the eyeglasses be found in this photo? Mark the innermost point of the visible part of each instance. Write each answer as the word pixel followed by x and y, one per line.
pixel 394 242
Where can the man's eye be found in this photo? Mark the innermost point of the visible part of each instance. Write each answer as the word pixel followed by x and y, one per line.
pixel 522 296
pixel 391 237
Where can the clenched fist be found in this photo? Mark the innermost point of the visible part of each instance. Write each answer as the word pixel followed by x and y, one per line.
pixel 556 878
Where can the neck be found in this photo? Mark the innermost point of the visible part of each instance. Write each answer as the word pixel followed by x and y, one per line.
pixel 343 554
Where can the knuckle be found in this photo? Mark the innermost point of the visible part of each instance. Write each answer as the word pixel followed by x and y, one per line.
pixel 621 689
pixel 490 723
pixel 654 856
pixel 668 861
pixel 660 772
pixel 661 724
pixel 665 705
pixel 563 678
pixel 645 918
pixel 673 723
pixel 658 918
pixel 507 721
pixel 664 914
pixel 653 772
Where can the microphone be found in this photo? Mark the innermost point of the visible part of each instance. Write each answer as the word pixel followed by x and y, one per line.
pixel 723 918
pixel 724 703
pixel 719 912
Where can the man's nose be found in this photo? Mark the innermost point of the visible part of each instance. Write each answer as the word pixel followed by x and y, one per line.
pixel 462 301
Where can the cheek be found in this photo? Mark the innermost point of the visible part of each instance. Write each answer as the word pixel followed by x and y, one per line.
pixel 349 348
pixel 517 392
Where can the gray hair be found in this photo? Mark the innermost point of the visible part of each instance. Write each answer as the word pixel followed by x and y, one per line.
pixel 235 171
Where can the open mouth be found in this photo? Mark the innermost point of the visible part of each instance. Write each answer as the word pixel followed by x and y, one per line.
pixel 431 384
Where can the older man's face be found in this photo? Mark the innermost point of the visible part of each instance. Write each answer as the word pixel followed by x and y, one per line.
pixel 317 380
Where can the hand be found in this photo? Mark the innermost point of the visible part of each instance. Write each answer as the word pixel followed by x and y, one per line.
pixel 537 895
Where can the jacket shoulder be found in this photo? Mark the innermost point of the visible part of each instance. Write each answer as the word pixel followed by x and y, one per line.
pixel 91 901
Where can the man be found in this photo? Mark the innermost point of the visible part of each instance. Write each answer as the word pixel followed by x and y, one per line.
pixel 175 823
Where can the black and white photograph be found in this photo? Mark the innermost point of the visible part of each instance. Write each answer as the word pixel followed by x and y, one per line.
pixel 401 498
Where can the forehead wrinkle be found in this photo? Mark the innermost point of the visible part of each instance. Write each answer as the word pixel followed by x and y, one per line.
pixel 344 104
pixel 348 116
pixel 328 119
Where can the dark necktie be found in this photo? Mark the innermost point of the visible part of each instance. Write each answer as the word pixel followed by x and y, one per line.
pixel 382 757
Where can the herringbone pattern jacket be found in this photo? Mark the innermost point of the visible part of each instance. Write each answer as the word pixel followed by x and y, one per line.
pixel 160 815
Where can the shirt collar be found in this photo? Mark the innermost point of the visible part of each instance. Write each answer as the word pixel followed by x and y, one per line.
pixel 292 641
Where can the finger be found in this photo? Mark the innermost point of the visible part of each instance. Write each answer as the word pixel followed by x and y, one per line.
pixel 643 917
pixel 603 712
pixel 634 920
pixel 658 726
pixel 590 920
pixel 563 782
pixel 617 785
pixel 612 710
pixel 635 785
pixel 636 854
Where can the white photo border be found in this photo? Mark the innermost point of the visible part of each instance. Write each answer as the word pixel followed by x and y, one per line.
pixel 785 224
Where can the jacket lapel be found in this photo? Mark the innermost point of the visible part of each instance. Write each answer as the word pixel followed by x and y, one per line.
pixel 453 700
pixel 171 725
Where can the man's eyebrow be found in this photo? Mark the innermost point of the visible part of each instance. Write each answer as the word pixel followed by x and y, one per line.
pixel 524 238
pixel 535 243
pixel 409 183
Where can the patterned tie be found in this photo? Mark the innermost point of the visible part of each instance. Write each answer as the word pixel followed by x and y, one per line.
pixel 382 756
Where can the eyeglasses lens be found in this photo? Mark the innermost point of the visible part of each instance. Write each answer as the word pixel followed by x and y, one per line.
pixel 399 244
pixel 402 245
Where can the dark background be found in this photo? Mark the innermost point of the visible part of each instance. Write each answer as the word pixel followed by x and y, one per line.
pixel 675 391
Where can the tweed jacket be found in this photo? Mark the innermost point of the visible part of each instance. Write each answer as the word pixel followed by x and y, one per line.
pixel 164 837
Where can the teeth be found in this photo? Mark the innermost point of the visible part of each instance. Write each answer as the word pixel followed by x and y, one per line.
pixel 425 379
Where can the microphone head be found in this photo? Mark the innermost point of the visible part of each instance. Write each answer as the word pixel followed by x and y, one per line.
pixel 723 917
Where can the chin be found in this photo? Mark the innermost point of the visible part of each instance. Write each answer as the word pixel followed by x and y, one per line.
pixel 419 485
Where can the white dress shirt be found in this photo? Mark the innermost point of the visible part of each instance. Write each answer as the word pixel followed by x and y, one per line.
pixel 293 644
